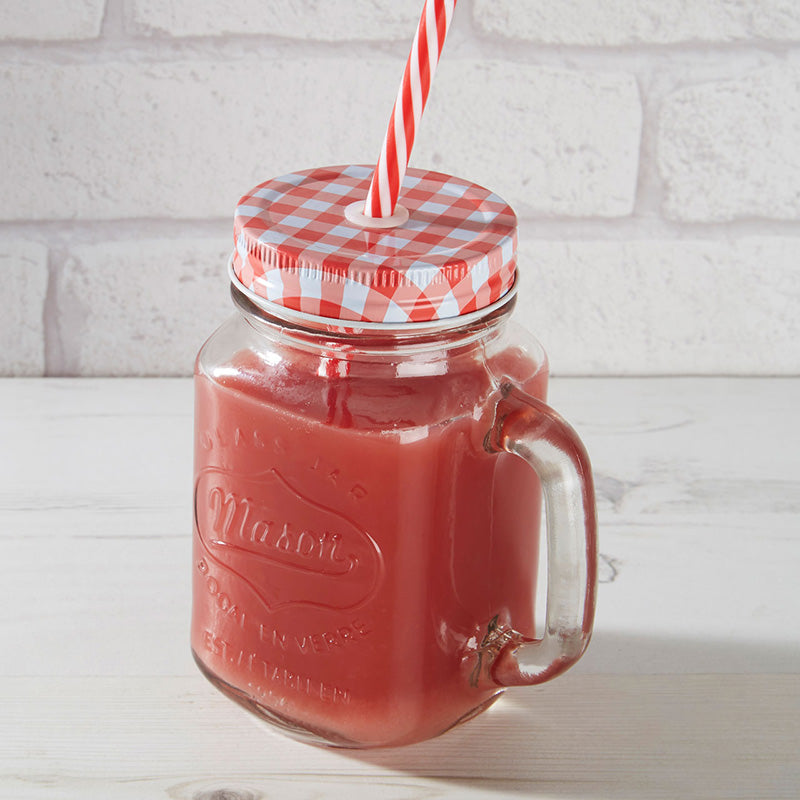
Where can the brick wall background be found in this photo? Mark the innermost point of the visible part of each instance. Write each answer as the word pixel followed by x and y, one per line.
pixel 650 147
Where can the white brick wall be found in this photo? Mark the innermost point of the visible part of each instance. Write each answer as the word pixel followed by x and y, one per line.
pixel 176 139
pixel 573 135
pixel 652 156
pixel 42 20
pixel 716 306
pixel 615 22
pixel 731 148
pixel 23 267
pixel 142 291
pixel 576 135
pixel 329 20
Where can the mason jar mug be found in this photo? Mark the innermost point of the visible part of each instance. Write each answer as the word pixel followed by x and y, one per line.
pixel 372 448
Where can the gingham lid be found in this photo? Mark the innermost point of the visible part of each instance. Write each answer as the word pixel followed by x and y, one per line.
pixel 297 246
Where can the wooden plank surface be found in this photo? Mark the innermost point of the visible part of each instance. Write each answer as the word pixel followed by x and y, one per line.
pixel 585 736
pixel 689 688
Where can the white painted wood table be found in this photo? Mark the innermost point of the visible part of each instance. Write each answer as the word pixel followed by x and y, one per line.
pixel 690 687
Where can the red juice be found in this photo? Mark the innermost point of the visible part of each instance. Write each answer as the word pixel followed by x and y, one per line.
pixel 359 557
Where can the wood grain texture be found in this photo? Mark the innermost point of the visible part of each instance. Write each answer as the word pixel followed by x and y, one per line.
pixel 689 688
pixel 584 736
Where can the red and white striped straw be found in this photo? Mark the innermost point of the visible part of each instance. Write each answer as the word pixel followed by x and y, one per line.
pixel 408 107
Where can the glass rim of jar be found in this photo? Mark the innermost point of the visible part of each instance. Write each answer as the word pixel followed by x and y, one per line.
pixel 356 328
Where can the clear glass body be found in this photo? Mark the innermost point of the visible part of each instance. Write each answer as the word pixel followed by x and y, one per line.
pixel 362 553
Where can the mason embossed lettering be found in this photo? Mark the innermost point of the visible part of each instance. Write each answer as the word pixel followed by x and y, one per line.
pixel 238 520
pixel 285 532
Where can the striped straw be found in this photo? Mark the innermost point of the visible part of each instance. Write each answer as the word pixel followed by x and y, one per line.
pixel 408 107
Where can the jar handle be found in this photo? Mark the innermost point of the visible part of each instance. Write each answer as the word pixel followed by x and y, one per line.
pixel 530 429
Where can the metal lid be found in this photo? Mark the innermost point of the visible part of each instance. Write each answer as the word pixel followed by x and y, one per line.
pixel 302 242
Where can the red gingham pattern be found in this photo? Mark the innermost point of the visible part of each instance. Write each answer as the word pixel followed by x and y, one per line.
pixel 294 246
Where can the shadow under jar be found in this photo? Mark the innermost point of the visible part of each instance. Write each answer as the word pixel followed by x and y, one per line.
pixel 367 490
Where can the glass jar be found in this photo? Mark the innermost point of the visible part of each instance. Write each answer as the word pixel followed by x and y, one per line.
pixel 367 506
